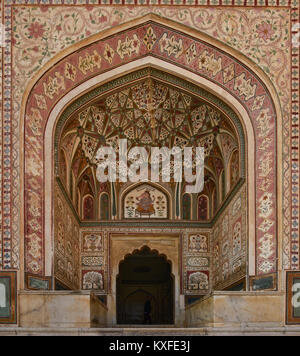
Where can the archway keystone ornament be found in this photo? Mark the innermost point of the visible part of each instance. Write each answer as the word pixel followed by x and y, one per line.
pixel 151 38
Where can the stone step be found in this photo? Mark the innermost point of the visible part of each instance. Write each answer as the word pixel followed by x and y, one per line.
pixel 144 326
pixel 209 331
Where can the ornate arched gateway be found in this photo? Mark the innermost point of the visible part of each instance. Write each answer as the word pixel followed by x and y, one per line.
pixel 145 285
pixel 203 94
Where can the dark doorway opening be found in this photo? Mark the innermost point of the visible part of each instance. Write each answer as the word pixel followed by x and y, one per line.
pixel 145 289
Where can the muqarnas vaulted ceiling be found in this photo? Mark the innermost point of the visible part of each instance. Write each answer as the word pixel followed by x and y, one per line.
pixel 148 113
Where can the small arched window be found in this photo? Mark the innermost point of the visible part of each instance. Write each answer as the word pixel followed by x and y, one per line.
pixel 186 207
pixel 104 206
pixel 234 168
pixel 203 208
pixel 63 168
pixel 88 208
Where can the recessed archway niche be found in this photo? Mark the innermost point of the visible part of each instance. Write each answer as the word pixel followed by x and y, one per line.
pixel 183 114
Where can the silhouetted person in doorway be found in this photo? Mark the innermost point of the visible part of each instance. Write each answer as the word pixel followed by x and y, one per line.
pixel 147 312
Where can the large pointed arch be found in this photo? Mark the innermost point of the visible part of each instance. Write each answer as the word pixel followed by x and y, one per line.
pixel 198 58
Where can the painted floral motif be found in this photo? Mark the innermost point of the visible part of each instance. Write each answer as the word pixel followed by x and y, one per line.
pixel 266 225
pixel 34 246
pixel 266 266
pixel 229 249
pixel 36 30
pixel 40 102
pixel 209 63
pixel 198 243
pixel 244 86
pixel 70 72
pixel 92 243
pixel 66 252
pixel 191 53
pixel 236 206
pixel 35 122
pixel 198 280
pixel 265 31
pixel 54 85
pixel 266 246
pixel 92 261
pixel 228 73
pixel 265 206
pixel 258 102
pixel 198 262
pixel 237 238
pixel 92 280
pixel 150 38
pixel 109 53
pixel 265 166
pixel 225 271
pixel 60 238
pixel 225 225
pixel 263 123
pixel 171 46
pixel 237 265
pixel 128 46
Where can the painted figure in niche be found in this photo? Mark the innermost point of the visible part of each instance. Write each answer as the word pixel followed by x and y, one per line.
pixel 92 243
pixel 198 243
pixel 146 201
pixel 2 296
pixel 145 204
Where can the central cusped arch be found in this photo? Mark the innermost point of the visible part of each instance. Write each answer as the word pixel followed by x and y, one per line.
pixel 158 43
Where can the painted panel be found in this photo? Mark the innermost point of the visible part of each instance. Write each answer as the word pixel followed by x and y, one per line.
pixel 145 201
pixel 8 299
pixel 293 298
pixel 38 283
